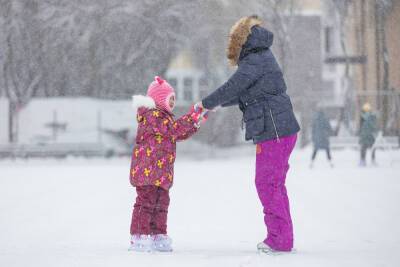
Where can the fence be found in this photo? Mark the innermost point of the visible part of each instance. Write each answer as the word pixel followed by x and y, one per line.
pixel 65 126
pixel 4 120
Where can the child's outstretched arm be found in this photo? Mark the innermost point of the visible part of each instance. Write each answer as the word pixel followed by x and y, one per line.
pixel 186 126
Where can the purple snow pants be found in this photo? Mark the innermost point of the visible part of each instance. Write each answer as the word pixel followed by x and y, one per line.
pixel 271 168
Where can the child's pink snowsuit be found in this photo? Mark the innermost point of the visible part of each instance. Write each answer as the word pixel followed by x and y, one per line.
pixel 152 166
pixel 154 154
pixel 150 212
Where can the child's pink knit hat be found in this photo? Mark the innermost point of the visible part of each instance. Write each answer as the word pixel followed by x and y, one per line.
pixel 161 91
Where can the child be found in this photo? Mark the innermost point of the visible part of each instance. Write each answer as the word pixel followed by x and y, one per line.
pixel 152 167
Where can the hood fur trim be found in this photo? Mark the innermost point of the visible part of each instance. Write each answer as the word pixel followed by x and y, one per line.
pixel 238 37
pixel 142 101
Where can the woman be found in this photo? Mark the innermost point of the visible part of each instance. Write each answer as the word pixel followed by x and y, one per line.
pixel 258 88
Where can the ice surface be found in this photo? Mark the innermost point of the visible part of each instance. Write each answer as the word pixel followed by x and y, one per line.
pixel 77 212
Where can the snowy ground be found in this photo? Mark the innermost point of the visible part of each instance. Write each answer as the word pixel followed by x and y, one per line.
pixel 77 213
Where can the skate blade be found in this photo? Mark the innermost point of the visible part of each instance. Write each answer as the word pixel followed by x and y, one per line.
pixel 275 252
pixel 140 250
pixel 163 251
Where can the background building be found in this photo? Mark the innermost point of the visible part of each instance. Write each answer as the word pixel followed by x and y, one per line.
pixel 373 33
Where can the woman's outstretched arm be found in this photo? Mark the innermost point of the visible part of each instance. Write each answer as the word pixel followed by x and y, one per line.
pixel 229 92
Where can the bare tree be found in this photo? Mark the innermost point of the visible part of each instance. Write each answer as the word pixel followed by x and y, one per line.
pixel 123 43
pixel 92 48
pixel 21 74
pixel 342 10
pixel 279 15
pixel 382 9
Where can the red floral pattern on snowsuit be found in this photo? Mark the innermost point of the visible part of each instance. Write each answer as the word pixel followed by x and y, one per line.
pixel 154 153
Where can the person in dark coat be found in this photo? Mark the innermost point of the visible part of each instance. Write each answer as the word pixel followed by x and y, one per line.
pixel 321 131
pixel 368 132
pixel 259 89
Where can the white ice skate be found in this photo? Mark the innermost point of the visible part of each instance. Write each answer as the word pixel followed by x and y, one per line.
pixel 162 243
pixel 141 243
pixel 264 248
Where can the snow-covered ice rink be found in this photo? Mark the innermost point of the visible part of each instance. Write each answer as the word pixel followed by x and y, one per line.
pixel 76 212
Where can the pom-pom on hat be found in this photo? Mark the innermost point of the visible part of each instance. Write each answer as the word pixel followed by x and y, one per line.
pixel 161 92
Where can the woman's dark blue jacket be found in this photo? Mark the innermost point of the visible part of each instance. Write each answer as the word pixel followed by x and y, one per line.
pixel 259 89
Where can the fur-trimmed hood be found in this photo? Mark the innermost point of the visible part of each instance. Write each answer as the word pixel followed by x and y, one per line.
pixel 139 101
pixel 247 35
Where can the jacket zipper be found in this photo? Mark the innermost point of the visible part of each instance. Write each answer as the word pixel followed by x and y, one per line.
pixel 273 122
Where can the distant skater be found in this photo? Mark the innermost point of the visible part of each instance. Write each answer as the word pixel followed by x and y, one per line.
pixel 321 131
pixel 368 132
